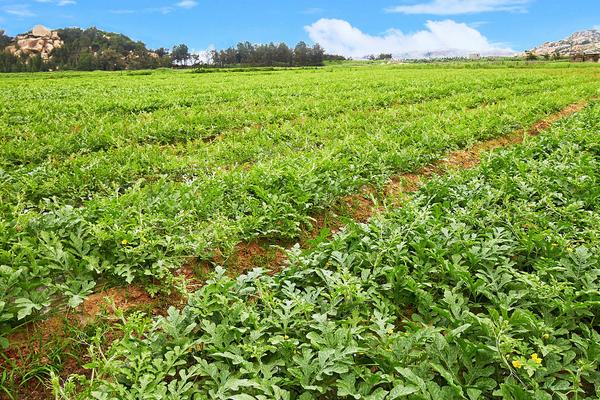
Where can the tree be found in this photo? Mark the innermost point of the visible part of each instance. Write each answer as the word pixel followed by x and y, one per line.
pixel 35 63
pixel 301 56
pixel 86 61
pixel 245 53
pixel 316 54
pixel 284 55
pixel 180 54
pixel 333 57
pixel 266 55
pixel 5 40
pixel 92 48
pixel 165 61
pixel 110 60
pixel 382 56
pixel 530 56
pixel 161 52
pixel 10 63
pixel 89 49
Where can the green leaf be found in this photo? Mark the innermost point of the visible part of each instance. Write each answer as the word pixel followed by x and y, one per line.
pixel 401 391
pixel 474 394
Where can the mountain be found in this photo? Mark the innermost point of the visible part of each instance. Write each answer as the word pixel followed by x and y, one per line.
pixel 578 43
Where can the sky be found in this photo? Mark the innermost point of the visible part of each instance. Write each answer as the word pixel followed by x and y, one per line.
pixel 348 27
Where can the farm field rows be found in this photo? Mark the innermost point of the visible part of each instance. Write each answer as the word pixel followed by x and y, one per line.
pixel 113 178
pixel 485 285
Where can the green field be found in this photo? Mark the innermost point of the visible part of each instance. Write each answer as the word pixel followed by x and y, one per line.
pixel 485 285
pixel 113 178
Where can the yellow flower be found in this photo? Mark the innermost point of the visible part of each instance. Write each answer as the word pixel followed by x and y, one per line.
pixel 546 336
pixel 286 337
pixel 390 331
pixel 536 359
pixel 517 364
pixel 124 242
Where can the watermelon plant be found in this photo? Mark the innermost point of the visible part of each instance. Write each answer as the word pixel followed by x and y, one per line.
pixel 108 178
pixel 485 285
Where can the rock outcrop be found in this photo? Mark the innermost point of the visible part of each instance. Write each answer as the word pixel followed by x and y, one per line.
pixel 583 42
pixel 41 41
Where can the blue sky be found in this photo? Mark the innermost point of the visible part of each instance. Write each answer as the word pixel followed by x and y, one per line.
pixel 343 26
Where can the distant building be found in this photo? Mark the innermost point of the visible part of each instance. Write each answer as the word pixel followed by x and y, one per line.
pixel 474 56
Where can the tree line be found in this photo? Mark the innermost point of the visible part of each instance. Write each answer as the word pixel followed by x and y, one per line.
pixel 268 55
pixel 246 54
pixel 93 49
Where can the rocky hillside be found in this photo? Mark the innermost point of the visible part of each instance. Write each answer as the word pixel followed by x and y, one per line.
pixel 583 42
pixel 40 41
pixel 75 48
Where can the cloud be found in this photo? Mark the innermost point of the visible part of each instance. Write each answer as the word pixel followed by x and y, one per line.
pixel 204 55
pixel 187 4
pixel 443 38
pixel 162 10
pixel 477 24
pixel 19 10
pixel 456 7
pixel 60 3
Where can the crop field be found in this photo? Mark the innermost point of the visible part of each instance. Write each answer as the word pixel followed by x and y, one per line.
pixel 484 283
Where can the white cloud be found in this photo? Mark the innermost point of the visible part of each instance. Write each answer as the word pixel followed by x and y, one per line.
pixel 477 24
pixel 60 3
pixel 205 55
pixel 19 10
pixel 163 10
pixel 455 7
pixel 187 4
pixel 444 38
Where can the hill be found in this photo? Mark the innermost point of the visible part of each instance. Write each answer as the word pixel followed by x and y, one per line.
pixel 75 48
pixel 578 43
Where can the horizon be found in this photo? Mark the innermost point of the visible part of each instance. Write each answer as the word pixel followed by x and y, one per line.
pixel 489 27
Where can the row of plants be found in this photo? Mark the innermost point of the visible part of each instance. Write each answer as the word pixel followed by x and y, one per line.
pixel 486 284
pixel 106 178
